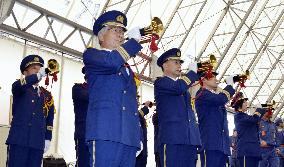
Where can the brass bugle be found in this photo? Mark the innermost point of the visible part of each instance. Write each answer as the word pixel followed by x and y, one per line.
pixel 269 104
pixel 205 65
pixel 52 66
pixel 242 77
pixel 155 28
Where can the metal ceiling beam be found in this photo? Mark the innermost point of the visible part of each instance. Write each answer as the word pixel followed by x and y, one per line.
pixel 128 6
pixel 243 40
pixel 277 87
pixel 104 8
pixel 266 41
pixel 53 15
pixel 192 24
pixel 225 10
pixel 277 111
pixel 40 40
pixel 236 33
pixel 170 19
pixel 267 75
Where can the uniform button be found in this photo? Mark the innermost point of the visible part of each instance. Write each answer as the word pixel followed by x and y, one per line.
pixel 33 113
pixel 123 108
pixel 119 73
pixel 124 91
pixel 140 125
pixel 223 131
pixel 33 101
pixel 188 120
pixel 135 114
pixel 30 124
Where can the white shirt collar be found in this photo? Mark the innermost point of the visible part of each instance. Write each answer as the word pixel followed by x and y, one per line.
pixel 175 79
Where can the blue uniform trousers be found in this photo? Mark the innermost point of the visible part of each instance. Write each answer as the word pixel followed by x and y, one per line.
pixel 234 162
pixel 269 158
pixel 112 154
pixel 178 155
pixel 20 156
pixel 202 158
pixel 215 158
pixel 82 153
pixel 157 159
pixel 247 161
pixel 141 160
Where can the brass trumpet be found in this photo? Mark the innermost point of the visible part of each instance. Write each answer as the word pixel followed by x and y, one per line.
pixel 242 77
pixel 207 65
pixel 269 105
pixel 156 28
pixel 52 70
pixel 52 67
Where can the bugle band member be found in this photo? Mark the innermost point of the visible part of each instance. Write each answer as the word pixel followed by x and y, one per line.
pixel 248 145
pixel 268 144
pixel 156 144
pixel 280 139
pixel 212 118
pixel 33 112
pixel 112 123
pixel 178 130
pixel 80 98
pixel 141 159
pixel 233 161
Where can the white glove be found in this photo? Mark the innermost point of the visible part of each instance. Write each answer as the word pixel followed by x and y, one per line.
pixel 258 105
pixel 46 145
pixel 134 33
pixel 41 73
pixel 141 148
pixel 192 67
pixel 229 80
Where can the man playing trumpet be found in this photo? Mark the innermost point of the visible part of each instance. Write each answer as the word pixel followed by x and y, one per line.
pixel 212 117
pixel 178 131
pixel 112 122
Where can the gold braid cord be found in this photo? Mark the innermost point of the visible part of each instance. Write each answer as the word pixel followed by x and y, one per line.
pixel 48 101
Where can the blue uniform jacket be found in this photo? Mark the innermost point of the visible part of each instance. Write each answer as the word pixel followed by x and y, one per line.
pixel 280 141
pixel 33 115
pixel 280 137
pixel 248 139
pixel 177 123
pixel 80 98
pixel 113 110
pixel 212 118
pixel 267 132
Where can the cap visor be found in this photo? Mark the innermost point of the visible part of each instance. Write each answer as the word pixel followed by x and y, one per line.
pixel 176 58
pixel 115 24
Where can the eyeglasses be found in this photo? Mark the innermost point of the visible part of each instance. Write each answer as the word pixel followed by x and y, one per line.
pixel 116 29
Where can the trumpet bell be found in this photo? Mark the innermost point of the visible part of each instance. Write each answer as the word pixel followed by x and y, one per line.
pixel 247 73
pixel 155 28
pixel 52 66
pixel 209 64
pixel 213 60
